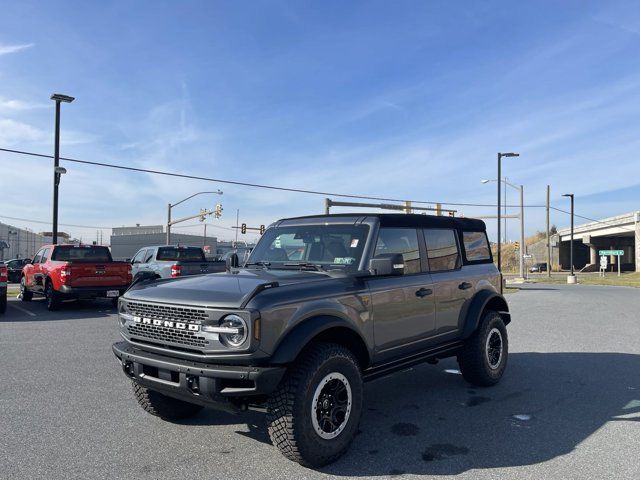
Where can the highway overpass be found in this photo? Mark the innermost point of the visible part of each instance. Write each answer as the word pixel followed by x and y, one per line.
pixel 621 232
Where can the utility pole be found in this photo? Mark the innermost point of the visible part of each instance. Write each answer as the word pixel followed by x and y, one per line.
pixel 523 247
pixel 548 232
pixel 57 171
pixel 168 224
pixel 237 220
pixel 204 239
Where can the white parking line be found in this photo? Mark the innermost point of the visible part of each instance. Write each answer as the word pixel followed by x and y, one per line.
pixel 22 309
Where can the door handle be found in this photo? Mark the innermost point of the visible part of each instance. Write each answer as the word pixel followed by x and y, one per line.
pixel 465 286
pixel 423 292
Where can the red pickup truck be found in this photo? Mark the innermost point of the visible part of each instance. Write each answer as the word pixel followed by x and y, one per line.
pixel 61 272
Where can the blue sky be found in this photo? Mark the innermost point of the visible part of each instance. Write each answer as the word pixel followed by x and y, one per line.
pixel 400 99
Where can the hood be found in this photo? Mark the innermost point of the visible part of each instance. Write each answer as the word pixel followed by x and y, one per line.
pixel 224 290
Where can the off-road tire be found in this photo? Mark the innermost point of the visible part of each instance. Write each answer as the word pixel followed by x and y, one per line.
pixel 51 296
pixel 289 416
pixel 3 303
pixel 162 406
pixel 473 359
pixel 25 294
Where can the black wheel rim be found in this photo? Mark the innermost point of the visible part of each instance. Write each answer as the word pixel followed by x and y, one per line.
pixel 494 348
pixel 331 406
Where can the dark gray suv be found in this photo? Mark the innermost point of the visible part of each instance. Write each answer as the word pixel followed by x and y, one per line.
pixel 323 304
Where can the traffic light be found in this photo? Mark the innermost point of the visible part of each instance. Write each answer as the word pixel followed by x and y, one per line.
pixel 243 228
pixel 217 212
pixel 261 229
pixel 517 244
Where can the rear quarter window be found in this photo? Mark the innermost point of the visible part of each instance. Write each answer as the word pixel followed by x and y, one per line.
pixel 476 247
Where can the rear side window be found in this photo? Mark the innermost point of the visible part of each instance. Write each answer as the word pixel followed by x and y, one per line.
pixel 81 253
pixel 476 246
pixel 177 254
pixel 442 250
pixel 403 241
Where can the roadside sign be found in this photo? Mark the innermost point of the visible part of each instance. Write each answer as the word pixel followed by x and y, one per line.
pixel 611 252
pixel 206 249
pixel 527 255
pixel 603 261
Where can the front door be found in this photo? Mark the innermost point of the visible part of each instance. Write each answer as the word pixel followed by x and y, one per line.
pixel 403 307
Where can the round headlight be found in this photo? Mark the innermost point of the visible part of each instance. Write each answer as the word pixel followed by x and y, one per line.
pixel 239 332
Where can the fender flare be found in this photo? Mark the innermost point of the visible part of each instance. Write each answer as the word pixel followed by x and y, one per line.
pixel 299 336
pixel 472 314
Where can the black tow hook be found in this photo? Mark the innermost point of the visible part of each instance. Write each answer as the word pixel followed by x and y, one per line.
pixel 193 383
pixel 127 368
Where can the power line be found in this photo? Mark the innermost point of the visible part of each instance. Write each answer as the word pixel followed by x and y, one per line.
pixel 48 223
pixel 254 185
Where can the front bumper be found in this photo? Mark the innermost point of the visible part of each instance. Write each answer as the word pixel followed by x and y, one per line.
pixel 196 382
pixel 91 292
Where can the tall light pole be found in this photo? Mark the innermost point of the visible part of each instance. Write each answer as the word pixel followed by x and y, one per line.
pixel 521 215
pixel 571 279
pixel 170 206
pixel 57 171
pixel 500 155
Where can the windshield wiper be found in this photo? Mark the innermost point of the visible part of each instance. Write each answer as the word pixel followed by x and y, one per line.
pixel 315 266
pixel 259 263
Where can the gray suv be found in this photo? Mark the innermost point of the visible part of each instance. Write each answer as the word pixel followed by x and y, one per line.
pixel 323 304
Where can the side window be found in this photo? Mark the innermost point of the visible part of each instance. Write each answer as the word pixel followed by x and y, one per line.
pixel 476 246
pixel 138 256
pixel 149 255
pixel 45 255
pixel 36 259
pixel 403 241
pixel 442 250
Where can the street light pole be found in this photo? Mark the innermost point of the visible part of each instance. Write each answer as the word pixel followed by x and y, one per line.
pixel 170 206
pixel 58 98
pixel 572 277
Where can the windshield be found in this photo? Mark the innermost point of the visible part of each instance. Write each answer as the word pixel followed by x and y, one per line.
pixel 184 254
pixel 81 253
pixel 327 246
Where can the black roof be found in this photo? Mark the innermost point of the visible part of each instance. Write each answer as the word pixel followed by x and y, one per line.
pixel 406 220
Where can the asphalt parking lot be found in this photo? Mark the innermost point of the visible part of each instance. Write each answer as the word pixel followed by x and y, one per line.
pixel 568 407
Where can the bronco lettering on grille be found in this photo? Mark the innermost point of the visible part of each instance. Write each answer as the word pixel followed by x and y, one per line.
pixel 192 327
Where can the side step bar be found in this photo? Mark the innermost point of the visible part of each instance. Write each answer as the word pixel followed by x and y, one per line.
pixel 407 362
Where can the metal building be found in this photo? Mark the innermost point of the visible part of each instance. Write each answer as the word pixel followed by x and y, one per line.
pixel 19 242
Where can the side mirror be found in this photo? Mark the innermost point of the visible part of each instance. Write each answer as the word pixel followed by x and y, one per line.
pixel 28 262
pixel 232 261
pixel 128 260
pixel 387 264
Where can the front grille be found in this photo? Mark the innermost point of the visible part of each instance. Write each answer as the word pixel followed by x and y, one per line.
pixel 166 334
pixel 165 312
pixel 162 334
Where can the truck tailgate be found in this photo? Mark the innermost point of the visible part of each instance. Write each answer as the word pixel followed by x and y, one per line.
pixel 98 274
pixel 194 268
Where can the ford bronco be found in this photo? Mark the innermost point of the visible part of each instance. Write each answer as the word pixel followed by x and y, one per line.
pixel 322 304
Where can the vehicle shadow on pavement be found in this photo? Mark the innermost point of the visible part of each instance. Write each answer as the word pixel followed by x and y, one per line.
pixel 69 310
pixel 430 421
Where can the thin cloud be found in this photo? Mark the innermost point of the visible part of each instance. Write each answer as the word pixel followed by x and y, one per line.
pixel 7 49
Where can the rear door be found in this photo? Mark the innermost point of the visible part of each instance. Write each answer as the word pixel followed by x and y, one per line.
pixel 451 283
pixel 403 307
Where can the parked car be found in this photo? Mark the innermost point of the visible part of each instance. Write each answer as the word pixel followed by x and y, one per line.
pixel 538 267
pixel 3 287
pixel 171 261
pixel 61 272
pixel 15 268
pixel 370 295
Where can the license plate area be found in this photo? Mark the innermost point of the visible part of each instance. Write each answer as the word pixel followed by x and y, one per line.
pixel 113 293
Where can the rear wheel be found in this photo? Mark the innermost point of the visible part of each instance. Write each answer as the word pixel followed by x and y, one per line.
pixel 314 414
pixel 52 297
pixel 25 294
pixel 483 358
pixel 3 303
pixel 162 406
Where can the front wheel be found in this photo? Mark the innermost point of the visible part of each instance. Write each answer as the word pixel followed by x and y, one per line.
pixel 162 406
pixel 314 414
pixel 483 358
